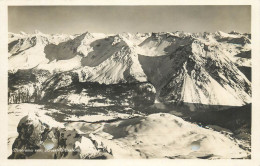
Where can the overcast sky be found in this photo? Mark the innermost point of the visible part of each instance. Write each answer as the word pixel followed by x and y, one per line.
pixel 116 19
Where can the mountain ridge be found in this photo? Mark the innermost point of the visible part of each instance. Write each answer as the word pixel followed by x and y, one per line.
pixel 183 67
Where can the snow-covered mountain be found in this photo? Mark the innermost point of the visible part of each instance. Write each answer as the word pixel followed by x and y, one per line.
pixel 205 68
pixel 138 138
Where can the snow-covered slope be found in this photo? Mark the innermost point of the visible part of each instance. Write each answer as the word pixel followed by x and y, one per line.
pixel 140 137
pixel 202 75
pixel 203 68
pixel 113 60
pixel 26 51
pixel 195 68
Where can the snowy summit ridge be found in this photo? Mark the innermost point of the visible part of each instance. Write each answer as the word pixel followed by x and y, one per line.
pixel 205 68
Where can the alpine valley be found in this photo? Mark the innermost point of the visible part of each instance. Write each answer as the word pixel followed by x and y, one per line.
pixel 142 95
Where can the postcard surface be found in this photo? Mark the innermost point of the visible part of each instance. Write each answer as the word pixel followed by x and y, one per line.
pixel 117 81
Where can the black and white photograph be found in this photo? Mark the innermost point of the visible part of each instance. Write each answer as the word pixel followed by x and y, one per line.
pixel 129 82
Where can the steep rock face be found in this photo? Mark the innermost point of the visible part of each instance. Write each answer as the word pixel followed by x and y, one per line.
pixel 194 69
pixel 205 68
pixel 202 76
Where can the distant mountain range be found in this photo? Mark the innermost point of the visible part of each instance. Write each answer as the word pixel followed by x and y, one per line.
pixel 130 69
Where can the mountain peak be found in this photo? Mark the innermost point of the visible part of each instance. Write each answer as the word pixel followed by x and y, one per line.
pixel 37 32
pixel 234 32
pixel 167 59
pixel 23 33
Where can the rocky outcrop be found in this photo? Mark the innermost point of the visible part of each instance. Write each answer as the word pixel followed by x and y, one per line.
pixel 41 139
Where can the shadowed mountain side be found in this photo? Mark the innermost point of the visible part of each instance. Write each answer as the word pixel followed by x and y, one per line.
pixel 203 77
pixel 65 88
pixel 219 117
pixel 183 67
pixel 25 85
pixel 21 77
pixel 182 109
pixel 163 44
pixel 20 45
pixel 157 69
pixel 102 50
pixel 65 50
pixel 12 44
pixel 244 54
pixel 247 71
pixel 240 40
pixel 237 119
pixel 230 72
pixel 161 59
